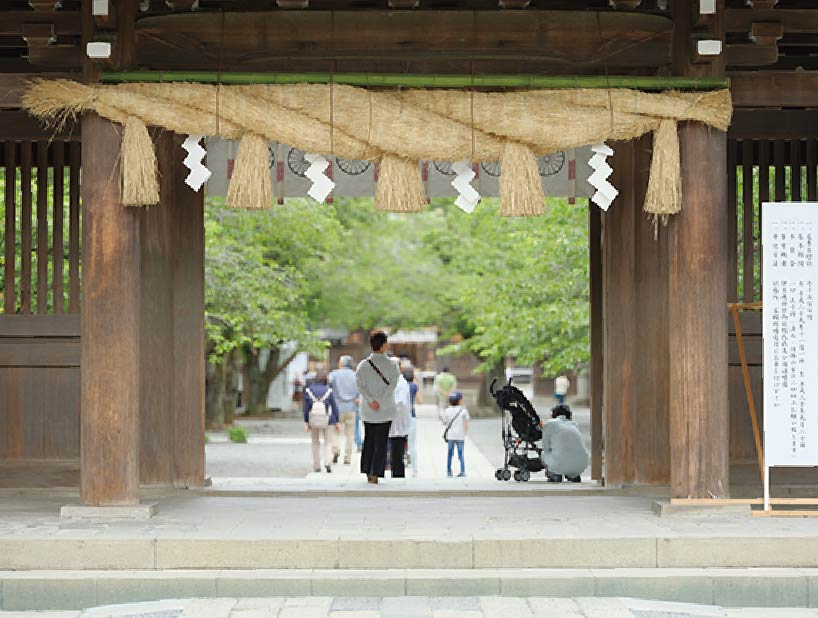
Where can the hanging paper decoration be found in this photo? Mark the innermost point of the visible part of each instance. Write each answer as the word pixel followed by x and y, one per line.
pixel 605 191
pixel 193 161
pixel 468 198
pixel 322 186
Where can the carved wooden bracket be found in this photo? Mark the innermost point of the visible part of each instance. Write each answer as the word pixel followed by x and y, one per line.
pixel 514 4
pixel 626 5
pixel 182 5
pixel 293 4
pixel 403 4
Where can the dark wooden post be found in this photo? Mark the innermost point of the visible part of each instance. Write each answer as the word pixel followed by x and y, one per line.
pixel 698 267
pixel 156 344
pixel 619 348
pixel 110 324
pixel 597 338
pixel 188 321
pixel 699 429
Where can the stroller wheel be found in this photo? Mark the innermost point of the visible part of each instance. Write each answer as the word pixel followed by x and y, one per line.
pixel 517 475
pixel 524 475
pixel 506 474
pixel 498 474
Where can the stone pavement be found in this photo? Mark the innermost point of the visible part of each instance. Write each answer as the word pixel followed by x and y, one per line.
pixel 278 445
pixel 415 607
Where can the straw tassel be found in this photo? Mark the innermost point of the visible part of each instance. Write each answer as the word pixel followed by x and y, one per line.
pixel 251 186
pixel 521 192
pixel 664 194
pixel 140 186
pixel 400 186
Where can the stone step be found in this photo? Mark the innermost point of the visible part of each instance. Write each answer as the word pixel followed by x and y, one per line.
pixel 73 590
pixel 422 550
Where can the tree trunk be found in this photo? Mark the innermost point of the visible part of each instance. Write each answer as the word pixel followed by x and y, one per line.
pixel 485 402
pixel 259 378
pixel 214 395
pixel 231 389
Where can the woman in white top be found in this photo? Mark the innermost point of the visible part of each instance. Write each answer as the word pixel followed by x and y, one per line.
pixel 399 431
pixel 456 419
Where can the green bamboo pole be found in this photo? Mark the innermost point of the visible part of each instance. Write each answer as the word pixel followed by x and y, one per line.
pixel 422 81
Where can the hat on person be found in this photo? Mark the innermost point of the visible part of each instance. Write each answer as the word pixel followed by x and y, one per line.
pixel 455 397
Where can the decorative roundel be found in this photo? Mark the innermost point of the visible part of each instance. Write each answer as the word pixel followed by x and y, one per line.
pixel 551 164
pixel 296 162
pixel 353 167
pixel 272 156
pixel 492 168
pixel 444 167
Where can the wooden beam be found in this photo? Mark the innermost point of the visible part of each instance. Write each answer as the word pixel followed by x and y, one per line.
pixel 775 89
pixel 792 20
pixel 16 125
pixel 256 41
pixel 110 324
pixel 64 22
pixel 774 124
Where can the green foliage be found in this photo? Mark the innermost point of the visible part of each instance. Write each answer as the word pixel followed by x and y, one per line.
pixel 519 286
pixel 237 434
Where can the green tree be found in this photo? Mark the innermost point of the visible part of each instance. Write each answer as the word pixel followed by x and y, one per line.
pixel 521 285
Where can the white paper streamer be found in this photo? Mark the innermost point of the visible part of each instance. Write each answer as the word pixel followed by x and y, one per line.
pixel 193 161
pixel 468 198
pixel 322 186
pixel 605 191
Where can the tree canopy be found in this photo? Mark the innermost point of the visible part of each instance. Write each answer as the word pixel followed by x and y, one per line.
pixel 508 286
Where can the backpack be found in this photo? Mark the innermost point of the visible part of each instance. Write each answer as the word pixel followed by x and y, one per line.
pixel 319 412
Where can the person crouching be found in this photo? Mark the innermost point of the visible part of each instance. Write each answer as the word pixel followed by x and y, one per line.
pixel 456 418
pixel 320 417
pixel 564 452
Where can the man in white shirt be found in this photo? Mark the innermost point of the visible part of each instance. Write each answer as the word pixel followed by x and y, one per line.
pixel 376 378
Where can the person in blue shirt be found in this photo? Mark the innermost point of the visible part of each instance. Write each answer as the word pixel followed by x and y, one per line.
pixel 345 393
pixel 316 392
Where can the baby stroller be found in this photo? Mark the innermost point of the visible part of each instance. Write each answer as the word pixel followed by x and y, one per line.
pixel 520 435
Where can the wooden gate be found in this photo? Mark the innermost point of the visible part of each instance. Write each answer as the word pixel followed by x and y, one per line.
pixel 767 161
pixel 39 317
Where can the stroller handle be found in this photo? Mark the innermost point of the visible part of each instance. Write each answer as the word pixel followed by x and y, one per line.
pixel 491 387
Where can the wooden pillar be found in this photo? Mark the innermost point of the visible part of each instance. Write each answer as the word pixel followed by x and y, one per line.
pixel 597 338
pixel 110 324
pixel 619 301
pixel 635 323
pixel 698 325
pixel 188 322
pixel 698 267
pixel 156 342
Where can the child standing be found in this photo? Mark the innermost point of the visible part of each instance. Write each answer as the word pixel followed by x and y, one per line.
pixel 456 418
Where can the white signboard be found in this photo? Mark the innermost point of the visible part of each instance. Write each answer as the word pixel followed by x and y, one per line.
pixel 563 174
pixel 790 282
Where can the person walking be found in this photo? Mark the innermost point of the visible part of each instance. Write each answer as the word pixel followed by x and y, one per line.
pixel 456 418
pixel 345 391
pixel 399 431
pixel 320 418
pixel 445 382
pixel 376 379
pixel 415 398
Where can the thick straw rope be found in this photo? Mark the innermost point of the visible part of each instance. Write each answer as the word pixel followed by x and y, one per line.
pixel 393 128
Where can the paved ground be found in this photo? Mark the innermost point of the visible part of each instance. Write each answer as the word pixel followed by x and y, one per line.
pixel 417 607
pixel 279 450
